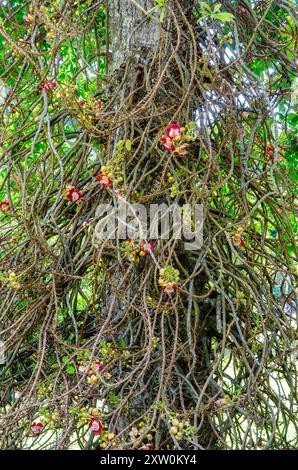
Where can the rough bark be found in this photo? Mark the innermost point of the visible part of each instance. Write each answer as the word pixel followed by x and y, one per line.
pixel 134 34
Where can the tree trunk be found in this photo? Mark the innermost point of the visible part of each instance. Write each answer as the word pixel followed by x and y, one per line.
pixel 136 40
pixel 134 35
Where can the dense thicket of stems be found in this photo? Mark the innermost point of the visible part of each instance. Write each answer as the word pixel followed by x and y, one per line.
pixel 86 87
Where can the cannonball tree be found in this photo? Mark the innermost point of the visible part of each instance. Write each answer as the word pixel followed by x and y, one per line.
pixel 139 343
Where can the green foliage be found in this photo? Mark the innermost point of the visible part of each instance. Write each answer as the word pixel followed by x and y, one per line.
pixel 212 13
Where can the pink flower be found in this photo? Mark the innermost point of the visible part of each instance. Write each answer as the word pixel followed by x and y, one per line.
pixel 4 206
pixel 36 428
pixel 96 366
pixel 118 193
pixel 74 195
pixel 147 247
pixel 28 19
pixel 96 426
pixel 173 131
pixel 104 180
pixel 49 85
pixel 220 402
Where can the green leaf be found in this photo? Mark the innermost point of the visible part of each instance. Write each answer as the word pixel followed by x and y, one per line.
pixel 206 6
pixel 128 145
pixel 119 145
pixel 216 7
pixel 224 16
pixel 70 369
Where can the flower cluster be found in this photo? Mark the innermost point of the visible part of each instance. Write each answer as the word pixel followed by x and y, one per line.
pixel 29 18
pixel 36 428
pixel 146 248
pixel 73 194
pixel 10 279
pixel 46 418
pixel 104 179
pixel 91 106
pixel 134 250
pixel 148 447
pixel 96 426
pixel 168 279
pixel 112 172
pixel 97 108
pixel 92 417
pixel 270 154
pixel 174 140
pixel 223 403
pixel 142 429
pixel 87 110
pixel 179 428
pixel 50 84
pixel 105 438
pixel 238 237
pixel 92 371
pixel 5 206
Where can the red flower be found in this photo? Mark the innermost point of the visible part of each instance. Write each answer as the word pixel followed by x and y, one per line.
pixel 173 135
pixel 36 428
pixel 74 195
pixel 98 105
pixel 96 426
pixel 270 153
pixel 49 85
pixel 147 247
pixel 98 366
pixel 173 131
pixel 168 144
pixel 104 180
pixel 169 288
pixel 148 447
pixel 4 206
pixel 240 241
